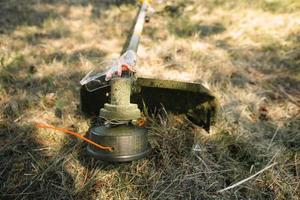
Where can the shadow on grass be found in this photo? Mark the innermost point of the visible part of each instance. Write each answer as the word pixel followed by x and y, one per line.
pixel 91 54
pixel 276 64
pixel 29 13
pixel 183 27
pixel 21 13
pixel 276 6
pixel 37 38
pixel 27 171
pixel 30 169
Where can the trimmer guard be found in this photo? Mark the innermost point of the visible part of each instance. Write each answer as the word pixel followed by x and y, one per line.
pixel 192 99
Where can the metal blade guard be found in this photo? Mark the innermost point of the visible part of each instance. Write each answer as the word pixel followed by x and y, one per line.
pixel 119 102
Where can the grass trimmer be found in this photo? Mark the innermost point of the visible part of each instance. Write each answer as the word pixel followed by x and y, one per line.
pixel 118 96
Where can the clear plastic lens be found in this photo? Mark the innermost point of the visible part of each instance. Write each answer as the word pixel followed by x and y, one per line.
pixel 97 79
pixel 98 72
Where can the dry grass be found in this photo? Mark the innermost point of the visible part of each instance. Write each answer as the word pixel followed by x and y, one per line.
pixel 247 53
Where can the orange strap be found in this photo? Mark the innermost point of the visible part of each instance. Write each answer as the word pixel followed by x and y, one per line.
pixel 76 135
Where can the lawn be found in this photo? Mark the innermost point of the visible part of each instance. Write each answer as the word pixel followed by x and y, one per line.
pixel 246 52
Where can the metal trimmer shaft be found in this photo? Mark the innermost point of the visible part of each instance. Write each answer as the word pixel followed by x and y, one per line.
pixel 137 29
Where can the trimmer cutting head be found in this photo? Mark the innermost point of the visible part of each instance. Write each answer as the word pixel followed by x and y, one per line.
pixel 117 97
pixel 129 141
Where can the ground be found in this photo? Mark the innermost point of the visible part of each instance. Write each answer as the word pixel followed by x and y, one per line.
pixel 246 52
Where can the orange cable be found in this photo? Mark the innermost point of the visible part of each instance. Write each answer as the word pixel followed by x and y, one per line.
pixel 76 135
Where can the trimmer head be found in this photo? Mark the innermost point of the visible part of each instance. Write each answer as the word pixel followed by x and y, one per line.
pixel 129 143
